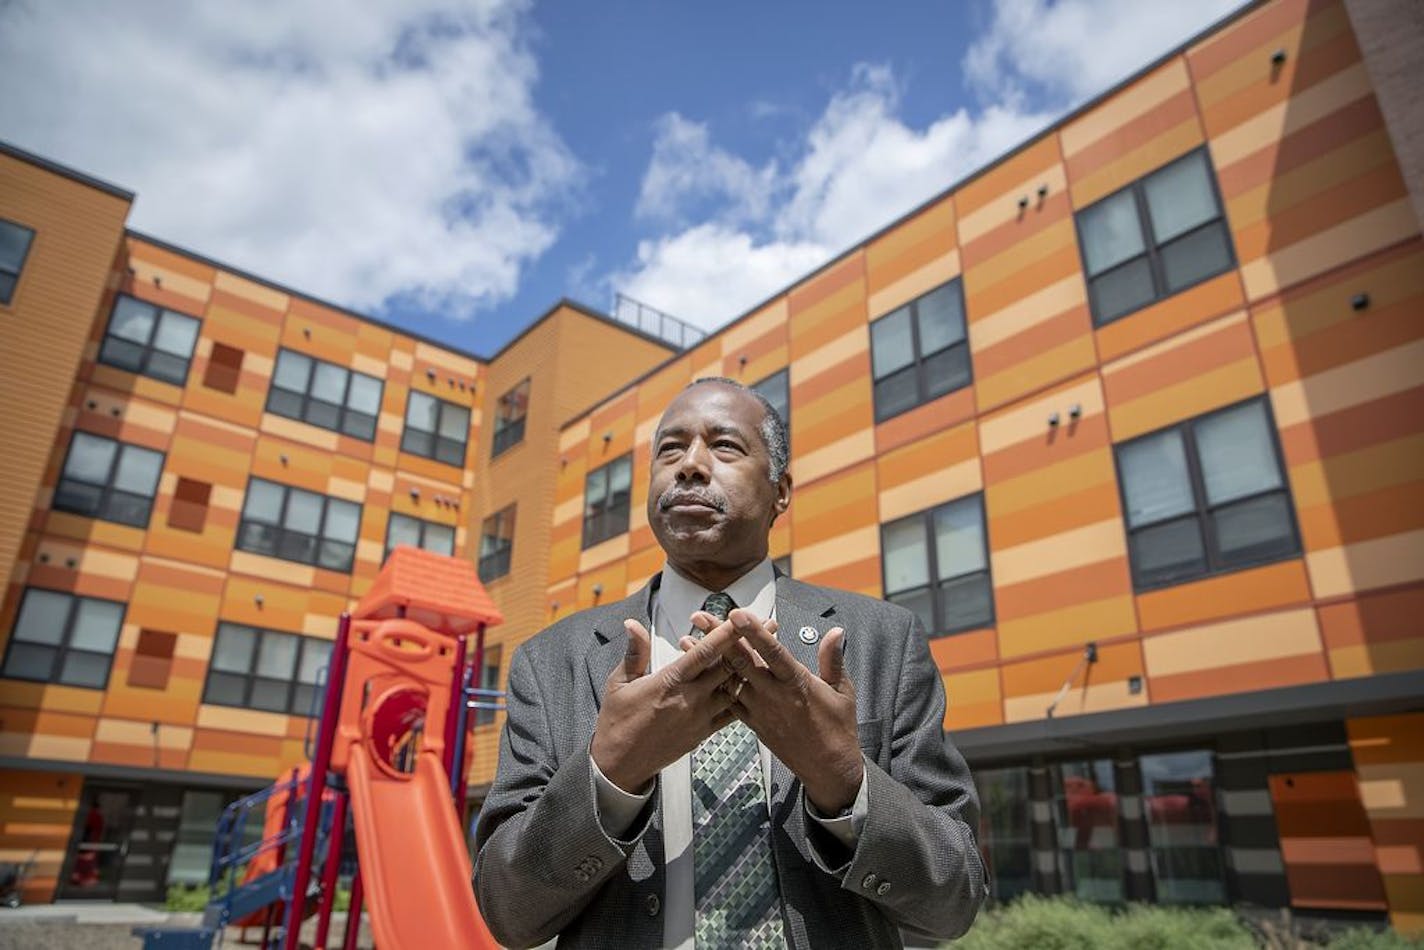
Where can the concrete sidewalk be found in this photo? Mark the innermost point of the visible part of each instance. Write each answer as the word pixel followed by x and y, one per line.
pixel 93 912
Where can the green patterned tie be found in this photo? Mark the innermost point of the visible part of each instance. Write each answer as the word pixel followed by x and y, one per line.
pixel 738 903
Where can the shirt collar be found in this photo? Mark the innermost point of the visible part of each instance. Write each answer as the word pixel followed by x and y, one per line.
pixel 678 597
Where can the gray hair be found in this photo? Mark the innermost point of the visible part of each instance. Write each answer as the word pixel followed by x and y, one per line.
pixel 772 428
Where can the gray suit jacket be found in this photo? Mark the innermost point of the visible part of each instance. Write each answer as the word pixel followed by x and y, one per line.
pixel 545 867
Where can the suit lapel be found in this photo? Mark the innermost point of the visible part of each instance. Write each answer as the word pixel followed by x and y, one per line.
pixel 798 606
pixel 610 640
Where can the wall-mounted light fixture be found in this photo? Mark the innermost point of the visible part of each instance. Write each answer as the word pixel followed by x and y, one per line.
pixel 259 600
pixel 1075 411
pixel 1278 57
pixel 1023 202
pixel 1053 419
pixel 1360 301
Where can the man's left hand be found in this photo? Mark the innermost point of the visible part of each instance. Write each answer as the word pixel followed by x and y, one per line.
pixel 807 721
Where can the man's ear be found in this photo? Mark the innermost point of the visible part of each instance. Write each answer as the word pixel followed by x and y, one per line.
pixel 783 493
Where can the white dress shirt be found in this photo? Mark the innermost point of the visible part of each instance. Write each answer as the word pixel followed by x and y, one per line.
pixel 676 599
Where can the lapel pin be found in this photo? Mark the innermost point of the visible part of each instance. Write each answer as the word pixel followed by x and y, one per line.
pixel 809 635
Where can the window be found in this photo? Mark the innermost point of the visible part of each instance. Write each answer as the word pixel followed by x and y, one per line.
pixel 224 368
pixel 264 669
pixel 496 544
pixel 325 395
pixel 1157 236
pixel 109 480
pixel 435 429
pixel 429 535
pixel 936 563
pixel 509 418
pixel 606 494
pixel 489 680
pixel 1089 853
pixel 776 391
pixel 14 248
pixel 1005 835
pixel 1179 796
pixel 298 525
pixel 146 339
pixel 1206 496
pixel 919 352
pixel 62 638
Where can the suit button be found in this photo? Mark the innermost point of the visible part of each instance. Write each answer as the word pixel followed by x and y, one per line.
pixel 870 881
pixel 883 889
pixel 654 905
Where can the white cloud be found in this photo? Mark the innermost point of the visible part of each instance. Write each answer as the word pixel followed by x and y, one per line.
pixel 360 151
pixel 686 168
pixel 1067 51
pixel 740 232
pixel 858 168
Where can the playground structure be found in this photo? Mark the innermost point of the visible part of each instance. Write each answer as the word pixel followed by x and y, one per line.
pixel 391 752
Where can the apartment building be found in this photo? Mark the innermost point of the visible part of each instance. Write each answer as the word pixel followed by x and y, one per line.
pixel 1133 418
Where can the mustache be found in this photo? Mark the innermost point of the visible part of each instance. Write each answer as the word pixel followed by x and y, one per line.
pixel 675 495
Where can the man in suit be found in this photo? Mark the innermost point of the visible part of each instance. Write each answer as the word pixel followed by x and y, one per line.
pixel 602 824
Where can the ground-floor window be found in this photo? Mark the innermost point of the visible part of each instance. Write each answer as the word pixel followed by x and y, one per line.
pixel 1179 795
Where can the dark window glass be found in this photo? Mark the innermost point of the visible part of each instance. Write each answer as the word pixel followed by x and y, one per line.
pixel 109 480
pixel 936 563
pixel 606 495
pixel 263 669
pixel 325 395
pixel 1179 798
pixel 435 429
pixel 919 352
pixel 1004 830
pixel 777 391
pixel 509 416
pixel 430 535
pixel 496 544
pixel 1089 852
pixel 299 525
pixel 63 638
pixel 149 340
pixel 14 248
pixel 489 680
pixel 1206 496
pixel 1157 236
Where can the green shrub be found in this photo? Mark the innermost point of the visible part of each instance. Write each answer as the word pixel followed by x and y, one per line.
pixel 1064 924
pixel 185 898
pixel 1363 938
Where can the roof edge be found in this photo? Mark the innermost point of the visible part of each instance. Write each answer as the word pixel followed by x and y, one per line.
pixel 64 171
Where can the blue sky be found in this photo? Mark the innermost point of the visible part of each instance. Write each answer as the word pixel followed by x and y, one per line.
pixel 457 167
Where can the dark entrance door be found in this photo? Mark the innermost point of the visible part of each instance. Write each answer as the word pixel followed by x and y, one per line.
pixel 100 843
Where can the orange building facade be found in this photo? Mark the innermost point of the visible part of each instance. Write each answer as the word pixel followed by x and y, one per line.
pixel 1133 418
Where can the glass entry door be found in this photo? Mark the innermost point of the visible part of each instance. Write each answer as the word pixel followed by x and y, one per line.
pixel 100 843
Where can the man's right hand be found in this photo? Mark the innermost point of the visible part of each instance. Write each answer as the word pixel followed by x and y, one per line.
pixel 649 722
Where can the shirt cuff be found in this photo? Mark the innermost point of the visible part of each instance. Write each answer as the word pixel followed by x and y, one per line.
pixel 617 809
pixel 846 828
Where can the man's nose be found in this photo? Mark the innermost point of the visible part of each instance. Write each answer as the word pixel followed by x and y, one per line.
pixel 694 462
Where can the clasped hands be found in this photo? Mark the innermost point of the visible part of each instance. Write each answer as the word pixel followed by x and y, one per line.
pixel 736 670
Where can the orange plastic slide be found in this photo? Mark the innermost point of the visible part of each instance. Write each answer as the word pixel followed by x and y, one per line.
pixel 414 866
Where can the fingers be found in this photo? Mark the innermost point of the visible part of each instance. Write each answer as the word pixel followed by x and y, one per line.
pixel 705 653
pixel 640 650
pixel 762 638
pixel 831 657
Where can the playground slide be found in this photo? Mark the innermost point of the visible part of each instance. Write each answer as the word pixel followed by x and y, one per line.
pixel 414 866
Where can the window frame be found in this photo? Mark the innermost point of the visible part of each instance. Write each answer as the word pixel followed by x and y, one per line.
pixel 926 518
pixel 8 300
pixel 436 438
pixel 282 530
pixel 63 648
pixel 1202 509
pixel 306 398
pixel 390 522
pixel 919 359
pixel 485 717
pixel 509 432
pixel 500 559
pixel 148 347
pixel 107 489
pixel 593 537
pixel 251 677
pixel 1152 251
